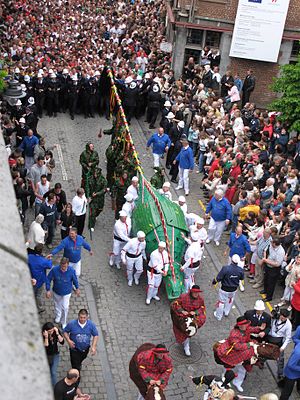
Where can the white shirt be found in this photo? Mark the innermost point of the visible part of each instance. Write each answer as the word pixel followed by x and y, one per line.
pixel 282 329
pixel 128 207
pixel 122 229
pixel 134 246
pixel 41 190
pixel 202 232
pixel 36 235
pixel 167 194
pixel 159 261
pixel 133 191
pixel 193 254
pixel 79 205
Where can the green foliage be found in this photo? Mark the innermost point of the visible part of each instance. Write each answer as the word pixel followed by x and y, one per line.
pixel 288 86
pixel 3 74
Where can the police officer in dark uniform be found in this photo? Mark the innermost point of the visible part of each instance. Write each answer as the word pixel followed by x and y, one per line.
pixel 73 92
pixel 175 133
pixel 53 89
pixel 92 93
pixel 130 100
pixel 39 85
pixel 31 121
pixel 143 96
pixel 64 80
pixel 29 86
pixel 154 99
pixel 17 111
pixel 84 93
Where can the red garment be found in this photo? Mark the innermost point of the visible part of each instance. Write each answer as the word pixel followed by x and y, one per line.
pixel 236 348
pixel 214 167
pixel 296 297
pixel 269 129
pixel 235 172
pixel 152 368
pixel 186 303
pixel 229 194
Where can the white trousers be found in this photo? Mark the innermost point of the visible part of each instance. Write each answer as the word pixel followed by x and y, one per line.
pixel 61 306
pixel 189 279
pixel 225 303
pixel 215 229
pixel 136 263
pixel 77 267
pixel 154 282
pixel 117 248
pixel 240 371
pixel 156 158
pixel 184 179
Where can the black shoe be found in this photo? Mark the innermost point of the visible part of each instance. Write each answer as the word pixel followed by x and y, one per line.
pixel 280 382
pixel 262 292
pixel 267 299
pixel 168 166
pixel 151 127
pixel 55 115
pixel 72 117
pixel 173 180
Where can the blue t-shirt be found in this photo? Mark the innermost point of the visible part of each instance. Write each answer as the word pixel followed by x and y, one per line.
pixel 81 336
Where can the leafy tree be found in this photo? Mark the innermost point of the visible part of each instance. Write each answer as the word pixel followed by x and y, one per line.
pixel 288 86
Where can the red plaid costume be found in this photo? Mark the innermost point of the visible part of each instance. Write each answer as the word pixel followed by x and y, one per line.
pixel 236 347
pixel 185 302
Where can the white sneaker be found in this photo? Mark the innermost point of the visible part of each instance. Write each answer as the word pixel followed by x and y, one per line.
pixel 178 187
pixel 118 266
pixel 63 326
pixel 57 320
pixel 241 286
pixel 129 283
pixel 217 243
pixel 156 298
pixel 187 352
pixel 239 388
pixel 136 281
pixel 207 241
pixel 92 229
pixel 148 301
pixel 215 315
pixel 111 261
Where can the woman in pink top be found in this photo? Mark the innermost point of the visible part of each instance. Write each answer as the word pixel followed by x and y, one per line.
pixel 233 93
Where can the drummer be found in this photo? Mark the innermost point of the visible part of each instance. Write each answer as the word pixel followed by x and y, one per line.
pixel 191 305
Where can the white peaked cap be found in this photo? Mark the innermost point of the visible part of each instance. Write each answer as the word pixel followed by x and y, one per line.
pixel 135 179
pixel 18 103
pixel 22 120
pixel 170 115
pixel 182 199
pixel 162 244
pixel 181 124
pixel 123 213
pixel 199 221
pixel 141 234
pixel 259 305
pixel 65 71
pixel 167 104
pixel 236 259
pixel 167 184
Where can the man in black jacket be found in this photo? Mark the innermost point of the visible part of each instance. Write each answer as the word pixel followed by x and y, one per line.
pixel 154 99
pixel 248 87
pixel 259 317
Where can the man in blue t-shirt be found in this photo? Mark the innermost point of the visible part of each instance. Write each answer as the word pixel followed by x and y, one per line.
pixel 78 333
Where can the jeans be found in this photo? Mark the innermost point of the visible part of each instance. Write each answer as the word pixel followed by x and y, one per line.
pixel 53 369
pixel 201 160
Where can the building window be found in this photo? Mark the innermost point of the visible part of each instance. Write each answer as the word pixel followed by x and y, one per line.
pixel 213 39
pixel 195 36
pixel 295 52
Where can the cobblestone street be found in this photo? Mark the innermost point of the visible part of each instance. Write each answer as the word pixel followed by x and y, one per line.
pixel 125 320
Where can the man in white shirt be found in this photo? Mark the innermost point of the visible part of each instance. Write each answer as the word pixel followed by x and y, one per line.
pixel 41 188
pixel 133 188
pixel 165 190
pixel 79 204
pixel 192 260
pixel 157 268
pixel 281 335
pixel 128 206
pixel 122 230
pixel 132 256
pixel 198 228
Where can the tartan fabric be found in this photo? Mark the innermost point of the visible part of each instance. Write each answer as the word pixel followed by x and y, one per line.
pixel 186 303
pixel 150 367
pixel 134 373
pixel 235 348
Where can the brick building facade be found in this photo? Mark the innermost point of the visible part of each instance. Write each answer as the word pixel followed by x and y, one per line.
pixel 192 24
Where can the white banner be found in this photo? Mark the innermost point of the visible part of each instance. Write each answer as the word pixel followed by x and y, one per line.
pixel 258 29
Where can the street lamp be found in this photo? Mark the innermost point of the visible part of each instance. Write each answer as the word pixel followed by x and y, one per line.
pixel 13 92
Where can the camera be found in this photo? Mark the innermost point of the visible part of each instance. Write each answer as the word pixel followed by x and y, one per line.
pixel 275 312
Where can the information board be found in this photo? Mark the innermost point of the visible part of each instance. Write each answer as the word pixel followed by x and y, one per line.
pixel 258 29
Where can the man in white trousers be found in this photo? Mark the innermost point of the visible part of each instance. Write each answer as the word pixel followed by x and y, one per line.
pixel 229 277
pixel 129 205
pixel 220 212
pixel 185 160
pixel 64 279
pixel 192 260
pixel 199 230
pixel 133 188
pixel 132 256
pixel 157 268
pixel 122 230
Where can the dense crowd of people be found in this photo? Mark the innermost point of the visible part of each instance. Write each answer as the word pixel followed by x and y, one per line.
pixel 247 161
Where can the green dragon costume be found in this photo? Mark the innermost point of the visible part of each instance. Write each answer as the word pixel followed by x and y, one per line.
pixel 97 189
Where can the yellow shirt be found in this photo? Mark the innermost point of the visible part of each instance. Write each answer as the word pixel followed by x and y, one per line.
pixel 245 210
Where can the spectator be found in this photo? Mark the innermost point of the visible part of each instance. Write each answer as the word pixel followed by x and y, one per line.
pixel 52 337
pixel 67 388
pixel 36 233
pixel 79 204
pixel 51 217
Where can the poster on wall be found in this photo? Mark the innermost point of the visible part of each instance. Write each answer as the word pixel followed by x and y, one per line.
pixel 258 29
